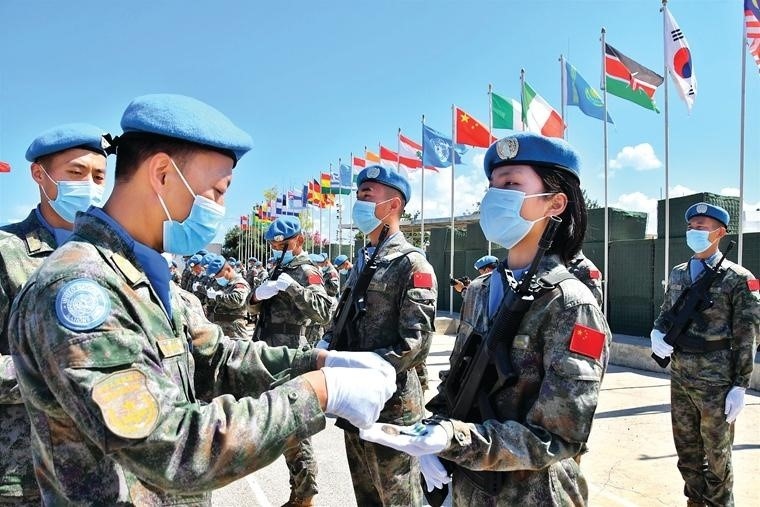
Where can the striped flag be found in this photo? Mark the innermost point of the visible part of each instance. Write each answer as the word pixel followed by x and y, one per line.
pixel 679 60
pixel 374 158
pixel 752 28
pixel 506 113
pixel 539 116
pixel 629 79
pixel 388 158
pixel 325 182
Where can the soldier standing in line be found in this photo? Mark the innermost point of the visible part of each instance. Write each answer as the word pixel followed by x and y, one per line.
pixel 559 353
pixel 287 305
pixel 227 299
pixel 710 371
pixel 398 325
pixel 69 166
pixel 343 265
pixel 586 271
pixel 134 397
pixel 331 280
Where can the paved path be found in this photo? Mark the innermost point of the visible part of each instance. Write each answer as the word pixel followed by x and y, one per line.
pixel 631 461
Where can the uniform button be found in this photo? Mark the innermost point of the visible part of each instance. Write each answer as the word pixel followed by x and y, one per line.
pixel 460 436
pixel 293 396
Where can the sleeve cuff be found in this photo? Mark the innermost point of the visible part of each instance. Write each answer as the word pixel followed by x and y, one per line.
pixel 304 361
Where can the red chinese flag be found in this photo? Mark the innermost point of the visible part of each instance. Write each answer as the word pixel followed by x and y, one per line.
pixel 315 279
pixel 470 131
pixel 5 167
pixel 587 341
pixel 753 284
pixel 422 280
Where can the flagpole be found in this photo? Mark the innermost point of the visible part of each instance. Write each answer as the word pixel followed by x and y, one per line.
pixel 490 129
pixel 422 196
pixel 563 92
pixel 350 212
pixel 605 274
pixel 340 206
pixel 453 164
pixel 524 111
pixel 667 174
pixel 320 227
pixel 741 143
pixel 398 151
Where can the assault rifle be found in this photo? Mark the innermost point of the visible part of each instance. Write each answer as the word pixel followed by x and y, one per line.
pixel 688 308
pixel 485 365
pixel 351 304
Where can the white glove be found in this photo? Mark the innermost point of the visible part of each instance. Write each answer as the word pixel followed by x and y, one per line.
pixel 266 290
pixel 211 294
pixel 322 345
pixel 734 403
pixel 284 281
pixel 415 440
pixel 434 472
pixel 659 347
pixel 195 286
pixel 339 359
pixel 357 395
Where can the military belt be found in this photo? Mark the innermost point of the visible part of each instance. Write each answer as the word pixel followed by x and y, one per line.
pixel 217 317
pixel 285 328
pixel 693 345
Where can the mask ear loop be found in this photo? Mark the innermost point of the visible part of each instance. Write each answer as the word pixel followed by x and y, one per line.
pixel 182 177
pixel 51 179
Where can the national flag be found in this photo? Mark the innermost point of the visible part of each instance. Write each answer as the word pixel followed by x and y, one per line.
pixel 538 115
pixel 388 158
pixel 679 60
pixel 470 131
pixel 579 93
pixel 438 150
pixel 305 195
pixel 359 162
pixel 506 113
pixel 334 183
pixel 629 79
pixel 5 167
pixel 752 28
pixel 346 179
pixel 325 182
pixel 244 222
pixel 410 153
pixel 372 157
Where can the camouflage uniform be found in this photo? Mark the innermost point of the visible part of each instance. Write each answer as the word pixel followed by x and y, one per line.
pixel 23 248
pixel 544 419
pixel 116 408
pixel 282 321
pixel 228 310
pixel 699 382
pixel 186 281
pixel 314 332
pixel 398 325
pixel 586 271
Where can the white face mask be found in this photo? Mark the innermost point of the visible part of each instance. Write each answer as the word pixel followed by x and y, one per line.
pixel 500 217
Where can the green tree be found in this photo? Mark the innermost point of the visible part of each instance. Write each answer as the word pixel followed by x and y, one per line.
pixel 590 203
pixel 231 242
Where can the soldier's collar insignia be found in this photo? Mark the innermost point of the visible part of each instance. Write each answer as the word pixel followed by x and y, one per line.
pixel 82 305
pixel 507 148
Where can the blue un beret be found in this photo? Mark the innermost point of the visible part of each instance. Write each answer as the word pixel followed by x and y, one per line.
pixel 708 210
pixel 65 137
pixel 206 259
pixel 216 265
pixel 387 177
pixel 528 148
pixel 283 228
pixel 340 259
pixel 485 261
pixel 202 252
pixel 187 119
pixel 195 259
pixel 317 258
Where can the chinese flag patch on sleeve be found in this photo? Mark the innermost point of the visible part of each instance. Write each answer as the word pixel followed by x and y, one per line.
pixel 753 285
pixel 594 274
pixel 315 279
pixel 587 341
pixel 422 280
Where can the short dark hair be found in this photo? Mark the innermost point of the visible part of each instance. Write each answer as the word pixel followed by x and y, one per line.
pixel 135 147
pixel 569 239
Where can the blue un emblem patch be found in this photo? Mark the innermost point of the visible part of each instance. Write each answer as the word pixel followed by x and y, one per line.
pixel 82 304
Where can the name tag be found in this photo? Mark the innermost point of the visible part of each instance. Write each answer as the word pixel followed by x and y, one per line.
pixel 522 341
pixel 171 347
pixel 377 286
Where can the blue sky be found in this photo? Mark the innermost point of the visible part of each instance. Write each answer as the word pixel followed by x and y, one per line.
pixel 314 81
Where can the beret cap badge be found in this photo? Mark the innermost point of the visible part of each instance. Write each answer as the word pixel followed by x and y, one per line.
pixel 507 148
